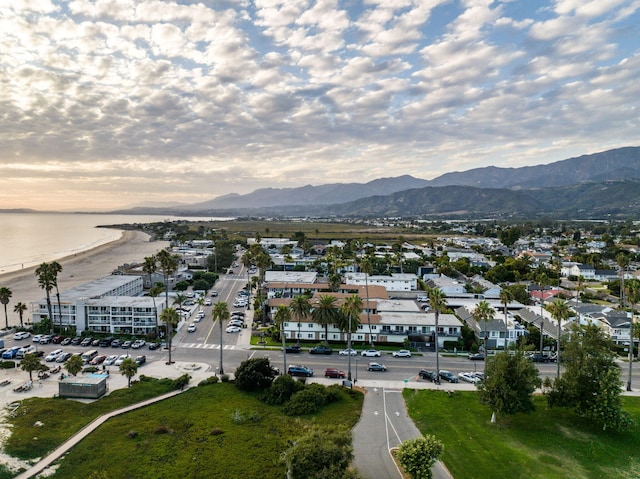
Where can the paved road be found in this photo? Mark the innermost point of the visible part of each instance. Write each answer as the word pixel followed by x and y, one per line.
pixel 384 425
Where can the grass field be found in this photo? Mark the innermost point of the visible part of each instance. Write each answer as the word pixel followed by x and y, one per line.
pixel 206 432
pixel 546 444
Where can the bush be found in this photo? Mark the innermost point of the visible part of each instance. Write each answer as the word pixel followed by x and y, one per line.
pixel 209 380
pixel 181 382
pixel 281 390
pixel 7 365
pixel 307 401
pixel 255 374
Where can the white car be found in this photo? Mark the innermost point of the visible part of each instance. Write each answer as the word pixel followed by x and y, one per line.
pixel 236 322
pixel 197 319
pixel 348 352
pixel 21 335
pixel 233 329
pixel 371 353
pixel 469 378
pixel 110 360
pixel 423 298
pixel 192 328
pixel 53 355
pixel 120 359
pixel 207 302
pixel 403 353
pixel 37 338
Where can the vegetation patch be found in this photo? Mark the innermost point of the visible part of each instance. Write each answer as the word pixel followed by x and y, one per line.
pixel 544 444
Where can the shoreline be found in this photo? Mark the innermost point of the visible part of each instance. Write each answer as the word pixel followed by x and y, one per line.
pixel 78 268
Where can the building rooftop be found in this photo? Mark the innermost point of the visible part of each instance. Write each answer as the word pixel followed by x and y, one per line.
pixel 98 288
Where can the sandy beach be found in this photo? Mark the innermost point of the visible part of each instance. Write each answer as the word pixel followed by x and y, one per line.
pixel 79 268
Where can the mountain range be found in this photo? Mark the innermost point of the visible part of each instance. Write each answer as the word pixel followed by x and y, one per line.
pixel 600 185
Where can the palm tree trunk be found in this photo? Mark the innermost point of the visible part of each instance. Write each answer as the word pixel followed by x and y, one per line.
pixel 284 348
pixel 437 355
pixel 220 325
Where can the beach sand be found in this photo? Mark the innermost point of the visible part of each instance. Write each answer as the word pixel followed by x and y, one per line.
pixel 79 268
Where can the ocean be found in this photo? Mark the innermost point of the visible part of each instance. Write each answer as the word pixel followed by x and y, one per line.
pixel 28 239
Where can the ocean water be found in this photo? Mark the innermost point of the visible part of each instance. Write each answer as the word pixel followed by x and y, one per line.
pixel 28 239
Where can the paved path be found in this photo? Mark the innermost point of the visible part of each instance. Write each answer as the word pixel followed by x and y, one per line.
pixel 384 424
pixel 84 432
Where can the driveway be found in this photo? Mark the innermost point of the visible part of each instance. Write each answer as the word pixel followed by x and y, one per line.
pixel 384 424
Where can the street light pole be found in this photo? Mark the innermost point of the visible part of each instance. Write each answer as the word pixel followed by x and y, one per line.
pixel 349 349
pixel 630 316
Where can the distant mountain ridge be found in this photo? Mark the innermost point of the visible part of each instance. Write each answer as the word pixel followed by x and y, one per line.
pixel 600 185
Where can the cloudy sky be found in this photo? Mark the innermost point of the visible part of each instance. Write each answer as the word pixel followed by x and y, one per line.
pixel 108 103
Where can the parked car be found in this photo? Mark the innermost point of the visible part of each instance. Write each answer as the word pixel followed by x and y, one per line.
pixel 95 342
pixel 51 357
pixel 126 345
pixel 65 342
pixel 120 359
pixel 86 342
pixel 207 302
pixel 116 343
pixel 98 360
pixel 427 374
pixel 76 341
pixel 422 298
pixel 192 328
pixel 539 358
pixel 197 319
pixel 57 339
pixel 214 293
pixel 46 338
pixel 448 376
pixel 110 360
pixel 377 367
pixel 36 338
pixel 22 352
pixel 140 360
pixel 469 378
pixel 10 353
pixel 348 352
pixel 476 356
pixel 105 342
pixel 21 335
pixel 237 314
pixel 371 353
pixel 154 346
pixel 334 373
pixel 63 357
pixel 402 353
pixel 295 349
pixel 300 371
pixel 321 350
pixel 138 343
pixel 233 329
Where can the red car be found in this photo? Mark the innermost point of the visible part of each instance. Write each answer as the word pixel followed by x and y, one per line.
pixel 334 373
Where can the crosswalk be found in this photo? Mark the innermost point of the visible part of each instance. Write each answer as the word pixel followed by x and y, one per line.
pixel 206 346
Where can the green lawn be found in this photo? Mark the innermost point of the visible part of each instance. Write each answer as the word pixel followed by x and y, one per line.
pixel 210 431
pixel 546 444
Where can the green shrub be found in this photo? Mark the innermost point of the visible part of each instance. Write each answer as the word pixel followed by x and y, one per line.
pixel 307 401
pixel 181 382
pixel 7 365
pixel 209 380
pixel 281 390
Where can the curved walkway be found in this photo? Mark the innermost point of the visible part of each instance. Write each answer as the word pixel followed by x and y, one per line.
pixel 84 432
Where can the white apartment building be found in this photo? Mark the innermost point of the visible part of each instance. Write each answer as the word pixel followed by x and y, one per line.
pixel 395 282
pixel 112 304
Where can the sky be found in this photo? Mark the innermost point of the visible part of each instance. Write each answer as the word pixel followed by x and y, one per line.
pixel 113 103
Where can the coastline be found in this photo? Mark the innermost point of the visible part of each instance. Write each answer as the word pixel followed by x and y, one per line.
pixel 78 268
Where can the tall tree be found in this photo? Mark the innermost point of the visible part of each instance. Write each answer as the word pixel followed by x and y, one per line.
pixel 560 312
pixel 150 266
pixel 509 384
pixel 154 292
pixel 282 316
pixel 45 281
pixel 438 303
pixel 56 269
pixel 349 322
pixel 5 296
pixel 506 296
pixel 484 312
pixel 20 308
pixel 319 454
pixel 591 380
pixel 128 368
pixel 29 364
pixel 300 308
pixel 168 265
pixel 326 312
pixel 366 268
pixel 220 313
pixel 633 295
pixel 74 365
pixel 170 318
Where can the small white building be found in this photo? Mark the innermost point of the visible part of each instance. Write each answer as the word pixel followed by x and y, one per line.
pixel 395 282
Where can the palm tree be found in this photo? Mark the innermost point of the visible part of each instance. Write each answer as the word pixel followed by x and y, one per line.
pixel 56 268
pixel 300 308
pixel 560 312
pixel 282 316
pixel 5 295
pixel 366 267
pixel 247 261
pixel 169 265
pixel 484 312
pixel 128 368
pixel 150 266
pixel 438 303
pixel 154 292
pixel 45 280
pixel 349 322
pixel 326 312
pixel 542 281
pixel 220 313
pixel 20 308
pixel 506 296
pixel 29 364
pixel 633 295
pixel 170 318
pixel 263 261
